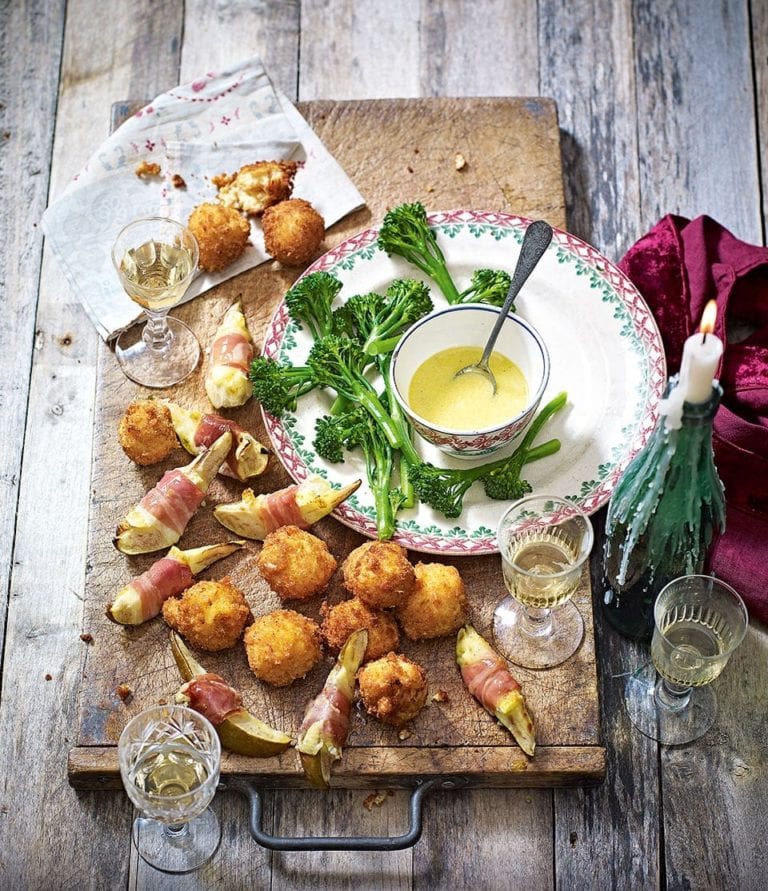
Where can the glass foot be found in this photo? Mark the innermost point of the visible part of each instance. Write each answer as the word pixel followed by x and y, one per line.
pixel 670 726
pixel 181 850
pixel 541 643
pixel 158 368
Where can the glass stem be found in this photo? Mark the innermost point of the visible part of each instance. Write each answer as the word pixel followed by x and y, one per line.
pixel 157 335
pixel 176 830
pixel 536 622
pixel 672 697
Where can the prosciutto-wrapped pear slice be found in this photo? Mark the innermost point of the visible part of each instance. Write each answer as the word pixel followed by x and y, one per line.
pixel 207 693
pixel 197 431
pixel 226 380
pixel 142 599
pixel 489 680
pixel 324 729
pixel 161 516
pixel 302 505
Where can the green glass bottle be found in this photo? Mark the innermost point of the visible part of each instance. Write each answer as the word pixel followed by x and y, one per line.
pixel 662 516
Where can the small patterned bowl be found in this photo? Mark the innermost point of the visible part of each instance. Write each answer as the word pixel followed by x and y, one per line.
pixel 470 325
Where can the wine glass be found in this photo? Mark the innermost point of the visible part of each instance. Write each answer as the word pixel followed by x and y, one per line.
pixel 699 621
pixel 156 259
pixel 170 758
pixel 544 542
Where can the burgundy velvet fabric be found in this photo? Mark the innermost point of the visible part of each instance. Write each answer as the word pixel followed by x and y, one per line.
pixel 678 267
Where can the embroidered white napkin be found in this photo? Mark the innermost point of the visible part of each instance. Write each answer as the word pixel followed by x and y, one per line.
pixel 212 125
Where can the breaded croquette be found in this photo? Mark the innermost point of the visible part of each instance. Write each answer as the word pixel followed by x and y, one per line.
pixel 256 186
pixel 210 615
pixel 221 233
pixel 437 605
pixel 350 615
pixel 393 689
pixel 296 564
pixel 293 231
pixel 146 432
pixel 283 646
pixel 378 572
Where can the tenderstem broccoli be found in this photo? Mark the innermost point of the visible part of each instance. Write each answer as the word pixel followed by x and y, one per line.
pixel 357 428
pixel 381 320
pixel 278 387
pixel 338 363
pixel 487 286
pixel 444 488
pixel 405 232
pixel 309 302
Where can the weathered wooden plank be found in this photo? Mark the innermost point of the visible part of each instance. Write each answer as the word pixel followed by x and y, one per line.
pixel 353 50
pixel 695 113
pixel 586 57
pixel 586 65
pixel 759 41
pixel 30 53
pixel 106 54
pixel 218 35
pixel 714 790
pixel 586 819
pixel 95 767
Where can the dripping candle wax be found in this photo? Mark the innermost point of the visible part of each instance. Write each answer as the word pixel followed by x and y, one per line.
pixel 701 355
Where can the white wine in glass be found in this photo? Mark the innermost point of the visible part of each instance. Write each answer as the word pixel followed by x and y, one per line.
pixel 170 759
pixel 156 260
pixel 544 542
pixel 699 622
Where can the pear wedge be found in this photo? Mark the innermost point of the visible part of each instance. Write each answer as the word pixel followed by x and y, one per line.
pixel 228 386
pixel 317 747
pixel 140 532
pixel 252 516
pixel 249 457
pixel 240 732
pixel 479 662
pixel 129 608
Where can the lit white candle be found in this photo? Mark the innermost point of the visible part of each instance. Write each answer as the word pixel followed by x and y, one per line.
pixel 701 355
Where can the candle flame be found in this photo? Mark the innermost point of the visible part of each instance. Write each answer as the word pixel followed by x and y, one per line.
pixel 708 318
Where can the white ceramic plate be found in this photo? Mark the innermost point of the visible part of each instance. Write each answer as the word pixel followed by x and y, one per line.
pixel 605 350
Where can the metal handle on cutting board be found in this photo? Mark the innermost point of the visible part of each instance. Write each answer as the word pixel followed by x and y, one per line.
pixel 337 843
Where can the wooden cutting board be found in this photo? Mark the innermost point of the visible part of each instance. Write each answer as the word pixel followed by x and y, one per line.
pixel 394 151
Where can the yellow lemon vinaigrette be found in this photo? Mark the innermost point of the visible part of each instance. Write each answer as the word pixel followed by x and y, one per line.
pixel 467 403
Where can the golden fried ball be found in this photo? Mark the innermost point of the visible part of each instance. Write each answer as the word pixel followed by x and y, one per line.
pixel 350 615
pixel 257 186
pixel 437 605
pixel 283 646
pixel 393 689
pixel 210 615
pixel 146 432
pixel 378 572
pixel 221 233
pixel 293 231
pixel 296 564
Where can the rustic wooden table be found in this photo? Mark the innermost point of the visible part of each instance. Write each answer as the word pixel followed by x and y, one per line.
pixel 662 109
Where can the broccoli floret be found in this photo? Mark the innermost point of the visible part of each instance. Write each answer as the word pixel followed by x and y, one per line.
pixel 405 232
pixel 444 489
pixel 338 363
pixel 277 387
pixel 488 286
pixel 309 301
pixel 357 429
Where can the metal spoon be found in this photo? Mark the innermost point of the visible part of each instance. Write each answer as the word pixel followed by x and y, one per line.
pixel 537 238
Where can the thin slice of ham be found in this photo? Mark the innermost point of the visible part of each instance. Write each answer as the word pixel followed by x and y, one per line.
pixel 489 680
pixel 210 429
pixel 164 578
pixel 232 349
pixel 332 708
pixel 173 501
pixel 212 696
pixel 280 509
